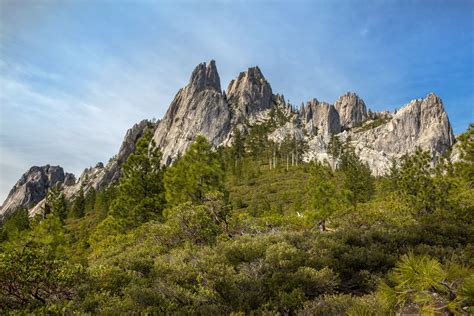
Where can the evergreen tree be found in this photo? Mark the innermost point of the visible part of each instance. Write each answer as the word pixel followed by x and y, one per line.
pixel 465 167
pixel 392 178
pixel 15 224
pixel 323 193
pixel 416 182
pixel 193 176
pixel 79 205
pixel 357 176
pixel 335 147
pixel 90 199
pixel 140 191
pixel 422 282
pixel 238 152
pixel 56 203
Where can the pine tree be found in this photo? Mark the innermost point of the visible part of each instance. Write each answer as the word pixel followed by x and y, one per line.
pixel 238 152
pixel 15 224
pixel 357 176
pixel 140 191
pixel 334 149
pixel 323 193
pixel 416 183
pixel 79 206
pixel 56 203
pixel 196 174
pixel 465 167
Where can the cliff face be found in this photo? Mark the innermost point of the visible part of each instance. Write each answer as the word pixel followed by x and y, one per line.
pixel 421 123
pixel 249 94
pixel 32 187
pixel 201 108
pixel 320 118
pixel 198 108
pixel 351 109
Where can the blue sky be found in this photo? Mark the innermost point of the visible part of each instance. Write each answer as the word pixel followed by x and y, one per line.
pixel 74 75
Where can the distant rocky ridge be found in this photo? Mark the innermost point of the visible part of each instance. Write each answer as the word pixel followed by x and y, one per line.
pixel 30 191
pixel 32 187
pixel 201 108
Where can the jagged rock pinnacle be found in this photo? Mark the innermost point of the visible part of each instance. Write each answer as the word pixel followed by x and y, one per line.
pixel 351 110
pixel 205 77
pixel 200 108
pixel 250 92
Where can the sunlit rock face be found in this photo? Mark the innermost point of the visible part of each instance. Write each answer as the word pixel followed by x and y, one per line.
pixel 249 93
pixel 32 187
pixel 351 109
pixel 320 118
pixel 201 108
pixel 422 123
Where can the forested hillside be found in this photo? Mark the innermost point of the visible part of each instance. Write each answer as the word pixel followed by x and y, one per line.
pixel 251 229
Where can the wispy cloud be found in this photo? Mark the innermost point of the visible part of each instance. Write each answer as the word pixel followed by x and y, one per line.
pixel 75 75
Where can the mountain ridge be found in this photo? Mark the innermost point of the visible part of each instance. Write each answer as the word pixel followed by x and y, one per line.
pixel 202 108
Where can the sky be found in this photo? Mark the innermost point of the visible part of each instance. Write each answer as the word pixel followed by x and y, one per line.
pixel 75 75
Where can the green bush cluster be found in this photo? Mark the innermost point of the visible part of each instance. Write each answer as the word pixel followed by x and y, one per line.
pixel 227 232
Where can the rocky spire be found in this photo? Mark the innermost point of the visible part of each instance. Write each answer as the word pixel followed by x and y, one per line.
pixel 199 108
pixel 32 187
pixel 249 93
pixel 205 77
pixel 320 118
pixel 422 123
pixel 351 110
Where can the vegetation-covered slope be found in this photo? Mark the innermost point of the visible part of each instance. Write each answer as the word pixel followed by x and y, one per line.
pixel 250 229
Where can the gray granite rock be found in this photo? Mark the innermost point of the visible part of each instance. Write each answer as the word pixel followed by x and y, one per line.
pixel 199 108
pixel 351 109
pixel 249 93
pixel 320 118
pixel 32 187
pixel 421 123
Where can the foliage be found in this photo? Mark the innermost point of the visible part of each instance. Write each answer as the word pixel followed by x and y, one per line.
pixel 365 126
pixel 422 283
pixel 324 195
pixel 239 237
pixel 465 167
pixel 56 203
pixel 197 173
pixel 15 224
pixel 140 192
pixel 79 206
pixel 358 180
pixel 32 276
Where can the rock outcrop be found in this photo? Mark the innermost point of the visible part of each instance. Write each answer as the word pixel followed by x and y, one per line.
pixel 249 93
pixel 351 109
pixel 422 123
pixel 199 108
pixel 30 191
pixel 320 118
pixel 100 176
pixel 32 187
